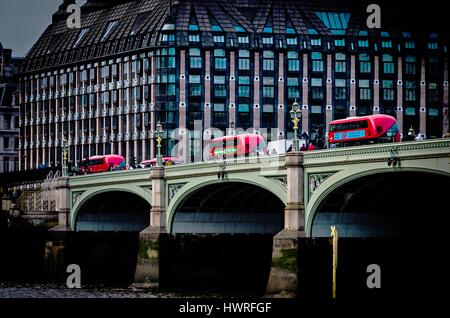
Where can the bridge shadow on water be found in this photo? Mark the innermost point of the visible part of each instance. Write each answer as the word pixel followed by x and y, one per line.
pixel 105 258
pixel 232 264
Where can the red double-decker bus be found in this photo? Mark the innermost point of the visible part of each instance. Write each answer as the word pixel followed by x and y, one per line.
pixel 354 131
pixel 236 146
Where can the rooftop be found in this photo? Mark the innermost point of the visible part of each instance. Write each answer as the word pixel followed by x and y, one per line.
pixel 113 27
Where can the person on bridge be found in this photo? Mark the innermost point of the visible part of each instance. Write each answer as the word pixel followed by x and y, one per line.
pixel 311 147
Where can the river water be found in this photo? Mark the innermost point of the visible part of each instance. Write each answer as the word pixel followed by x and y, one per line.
pixel 39 290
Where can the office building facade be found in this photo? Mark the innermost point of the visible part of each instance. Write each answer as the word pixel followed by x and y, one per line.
pixel 239 63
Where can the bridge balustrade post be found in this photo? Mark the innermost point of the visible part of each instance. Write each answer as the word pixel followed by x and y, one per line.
pixel 284 271
pixel 147 269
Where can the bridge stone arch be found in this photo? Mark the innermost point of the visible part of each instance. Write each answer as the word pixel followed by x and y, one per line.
pixel 80 197
pixel 274 187
pixel 337 179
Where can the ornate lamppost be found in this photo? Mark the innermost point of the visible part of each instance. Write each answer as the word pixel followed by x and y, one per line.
pixel 159 132
pixel 295 115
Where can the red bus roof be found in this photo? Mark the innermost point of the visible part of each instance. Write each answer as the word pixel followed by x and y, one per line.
pixel 374 118
pixel 237 137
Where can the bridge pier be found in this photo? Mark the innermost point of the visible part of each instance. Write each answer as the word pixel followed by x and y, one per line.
pixel 284 271
pixel 55 261
pixel 147 269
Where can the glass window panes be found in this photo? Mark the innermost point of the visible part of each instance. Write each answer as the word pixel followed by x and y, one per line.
pixel 339 42
pixel 108 30
pixel 291 41
pixel 410 111
pixel 219 79
pixel 292 81
pixel 268 64
pixel 244 91
pixel 243 39
pixel 268 108
pixel 194 38
pixel 292 55
pixel 219 39
pixel 244 80
pixel 386 44
pixel 268 80
pixel 244 64
pixel 244 53
pixel 194 52
pixel 316 109
pixel 220 63
pixel 219 107
pixel 219 52
pixel 268 91
pixel 268 54
pixel 316 82
pixel 194 79
pixel 243 108
pixel 363 43
pixel 316 42
pixel 340 82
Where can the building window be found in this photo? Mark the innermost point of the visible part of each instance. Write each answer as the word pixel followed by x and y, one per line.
pixel 244 116
pixel 220 62
pixel 388 90
pixel 80 36
pixel 267 40
pixel 293 61
pixel 316 88
pixel 140 19
pixel 195 113
pixel 244 60
pixel 340 63
pixel 316 42
pixel 364 90
pixel 363 43
pixel 410 65
pixel 244 86
pixel 195 88
pixel 220 89
pixel 243 39
pixel 291 41
pixel 340 91
pixel 219 115
pixel 195 60
pixel 108 30
pixel 364 63
pixel 410 91
pixel 388 64
pixel 167 37
pixel 339 42
pixel 268 89
pixel 219 39
pixel 317 62
pixel 433 65
pixel 268 116
pixel 293 87
pixel 410 45
pixel 194 37
pixel 386 44
pixel 433 93
pixel 268 61
pixel 433 45
pixel 6 143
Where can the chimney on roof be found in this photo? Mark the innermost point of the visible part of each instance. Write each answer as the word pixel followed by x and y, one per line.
pixel 62 13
